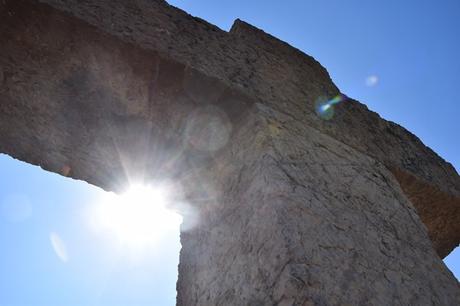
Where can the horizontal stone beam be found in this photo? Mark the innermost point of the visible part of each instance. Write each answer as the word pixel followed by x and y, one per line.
pixel 82 103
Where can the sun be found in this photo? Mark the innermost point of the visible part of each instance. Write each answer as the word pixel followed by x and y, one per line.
pixel 137 218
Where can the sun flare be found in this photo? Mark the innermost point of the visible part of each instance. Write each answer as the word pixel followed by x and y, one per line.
pixel 138 217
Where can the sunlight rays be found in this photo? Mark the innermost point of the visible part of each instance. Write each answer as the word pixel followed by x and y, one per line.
pixel 137 218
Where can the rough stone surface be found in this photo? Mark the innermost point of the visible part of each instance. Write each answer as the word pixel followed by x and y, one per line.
pixel 285 79
pixel 314 222
pixel 293 210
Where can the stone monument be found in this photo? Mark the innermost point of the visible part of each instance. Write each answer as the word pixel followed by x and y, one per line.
pixel 303 196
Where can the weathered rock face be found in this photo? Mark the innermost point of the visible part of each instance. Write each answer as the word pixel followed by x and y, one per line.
pixel 294 210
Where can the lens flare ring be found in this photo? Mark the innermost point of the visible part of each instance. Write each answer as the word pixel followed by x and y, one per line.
pixel 324 107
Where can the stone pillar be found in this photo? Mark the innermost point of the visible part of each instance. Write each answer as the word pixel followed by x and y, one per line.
pixel 302 219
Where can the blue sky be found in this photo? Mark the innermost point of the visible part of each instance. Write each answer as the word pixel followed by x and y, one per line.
pixel 95 270
pixel 398 57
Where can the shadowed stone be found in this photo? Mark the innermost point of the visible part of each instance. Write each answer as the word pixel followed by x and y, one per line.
pixel 293 209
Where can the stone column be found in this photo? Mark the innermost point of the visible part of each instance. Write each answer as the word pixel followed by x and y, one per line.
pixel 302 219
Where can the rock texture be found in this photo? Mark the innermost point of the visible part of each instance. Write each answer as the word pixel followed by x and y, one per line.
pixel 293 209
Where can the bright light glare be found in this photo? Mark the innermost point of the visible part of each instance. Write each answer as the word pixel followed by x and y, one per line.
pixel 59 247
pixel 138 217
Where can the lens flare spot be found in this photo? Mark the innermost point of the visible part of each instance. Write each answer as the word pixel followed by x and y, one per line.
pixel 65 170
pixel 324 107
pixel 372 80
pixel 59 247
pixel 208 129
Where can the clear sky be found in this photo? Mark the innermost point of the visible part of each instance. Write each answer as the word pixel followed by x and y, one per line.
pixel 398 57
